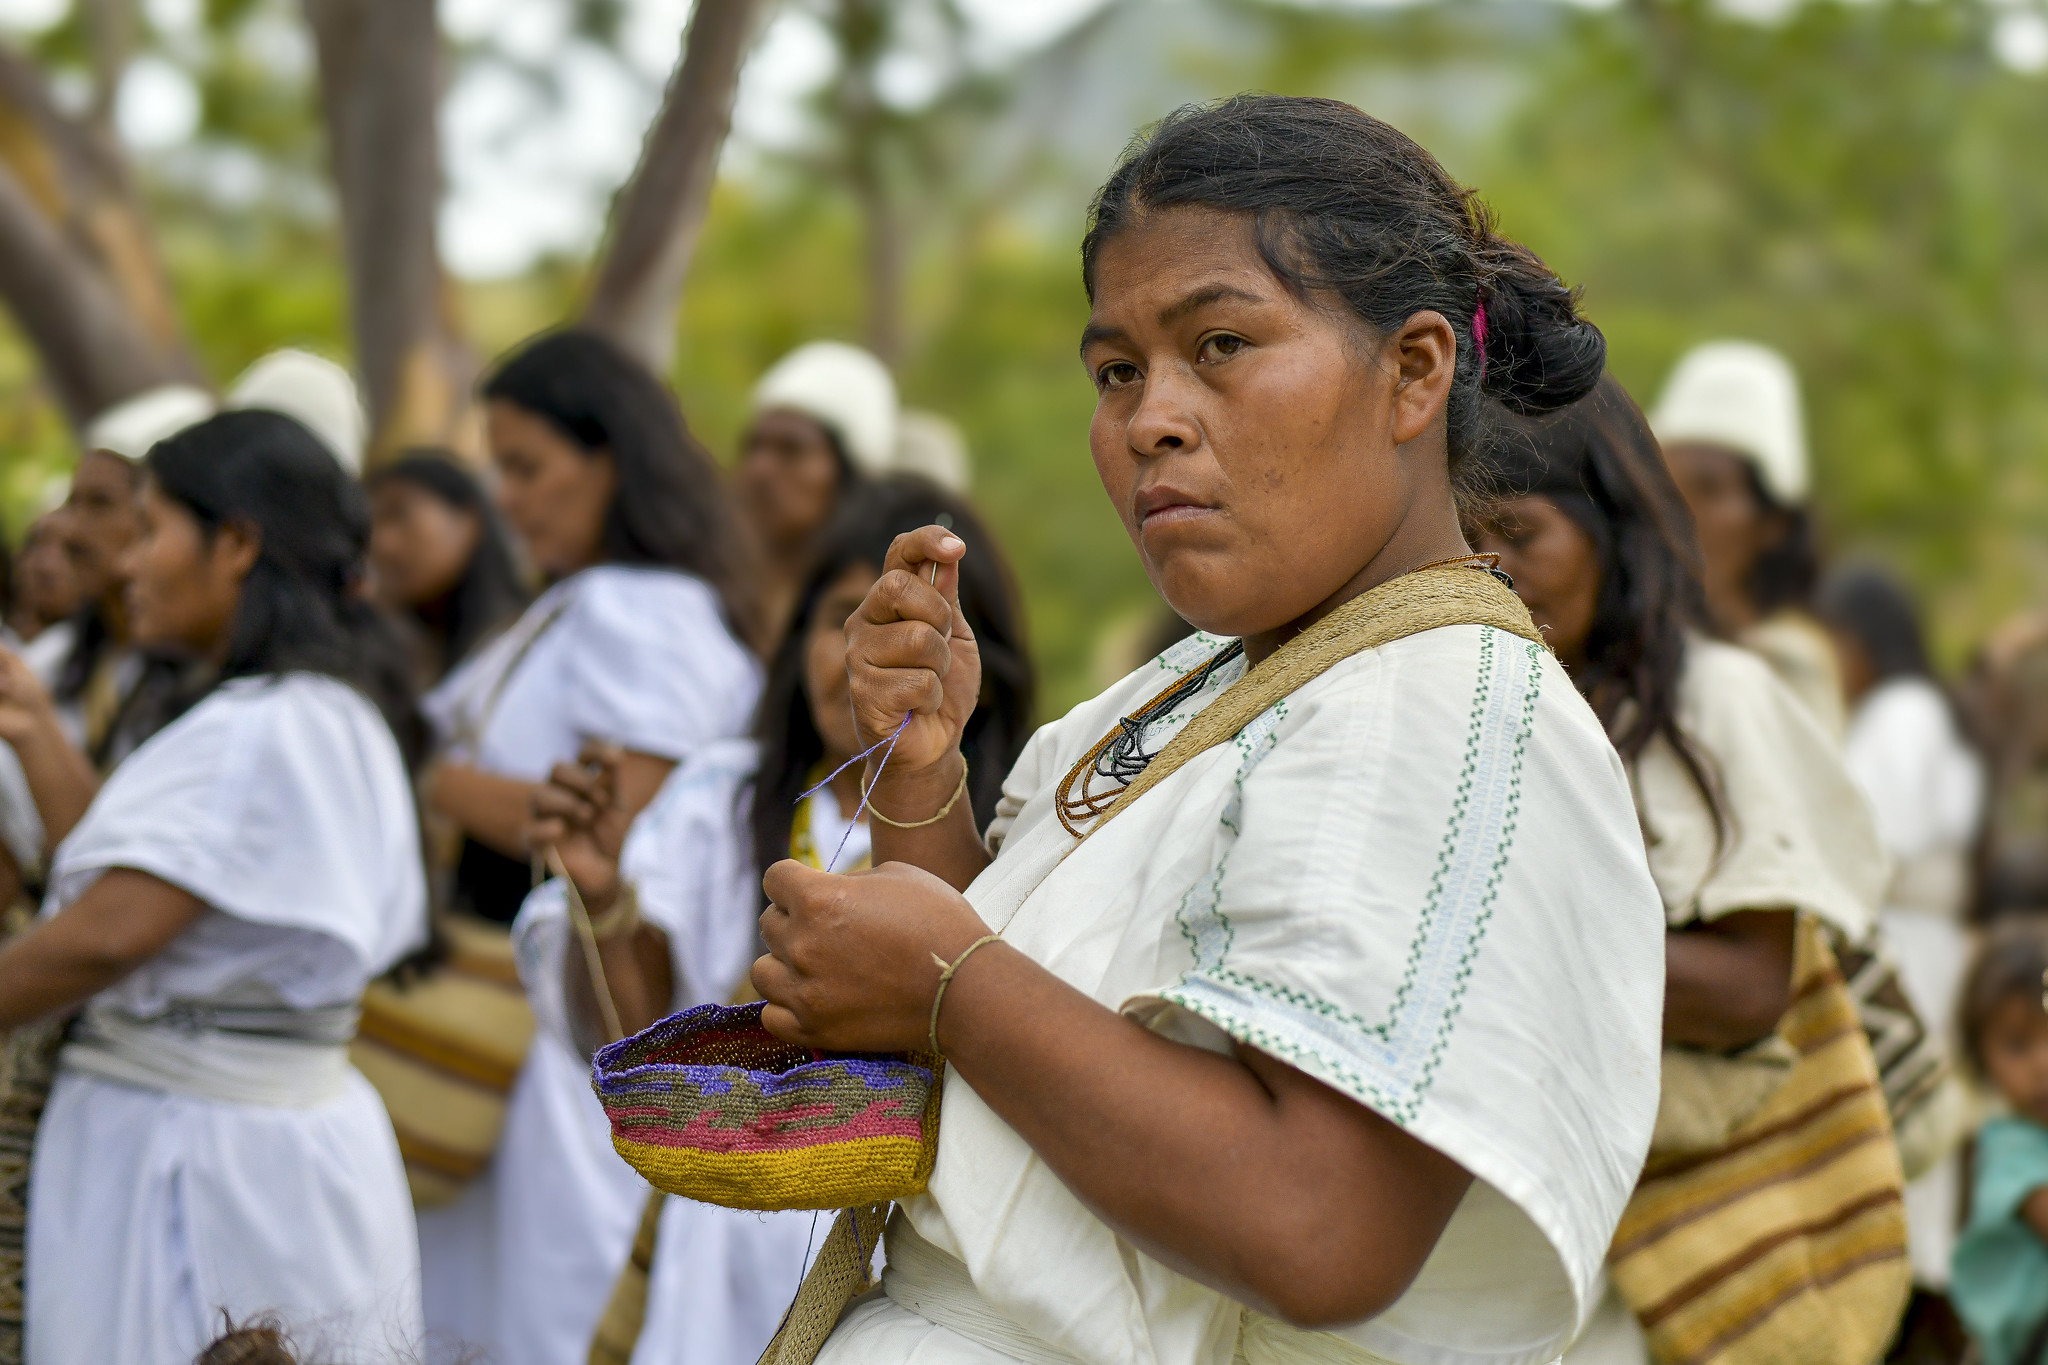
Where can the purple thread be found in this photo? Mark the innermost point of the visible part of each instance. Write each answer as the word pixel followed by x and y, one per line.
pixel 1479 336
pixel 854 819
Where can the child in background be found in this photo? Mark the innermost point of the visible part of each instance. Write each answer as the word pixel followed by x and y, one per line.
pixel 1999 1278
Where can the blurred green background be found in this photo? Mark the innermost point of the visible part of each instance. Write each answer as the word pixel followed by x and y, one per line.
pixel 1862 184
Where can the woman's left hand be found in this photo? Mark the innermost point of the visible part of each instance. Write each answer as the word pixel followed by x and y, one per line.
pixel 854 960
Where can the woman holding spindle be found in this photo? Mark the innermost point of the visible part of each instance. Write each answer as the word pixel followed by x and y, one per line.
pixel 637 644
pixel 1271 1032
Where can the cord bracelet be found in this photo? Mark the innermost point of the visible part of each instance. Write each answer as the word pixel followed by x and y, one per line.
pixel 946 971
pixel 944 810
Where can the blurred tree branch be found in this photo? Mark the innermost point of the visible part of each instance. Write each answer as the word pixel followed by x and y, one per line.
pixel 78 264
pixel 660 212
pixel 380 88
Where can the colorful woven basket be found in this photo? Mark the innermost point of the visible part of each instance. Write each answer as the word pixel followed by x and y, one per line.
pixel 709 1105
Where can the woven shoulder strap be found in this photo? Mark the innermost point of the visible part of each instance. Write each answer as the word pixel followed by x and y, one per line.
pixel 1450 595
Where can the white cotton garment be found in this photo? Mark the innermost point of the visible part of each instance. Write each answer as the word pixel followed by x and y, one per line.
pixel 282 803
pixel 1794 832
pixel 721 1278
pixel 522 1264
pixel 640 657
pixel 1419 880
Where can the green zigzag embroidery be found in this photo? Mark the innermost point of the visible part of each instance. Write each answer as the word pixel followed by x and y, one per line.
pixel 1210 935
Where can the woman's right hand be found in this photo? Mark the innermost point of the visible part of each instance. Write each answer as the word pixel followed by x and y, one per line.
pixel 577 811
pixel 909 650
pixel 26 713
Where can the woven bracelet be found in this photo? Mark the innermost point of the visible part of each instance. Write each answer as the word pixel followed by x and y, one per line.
pixel 944 810
pixel 946 971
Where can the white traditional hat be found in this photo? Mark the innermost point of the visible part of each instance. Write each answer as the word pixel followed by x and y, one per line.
pixel 844 389
pixel 1745 397
pixel 316 392
pixel 932 446
pixel 130 427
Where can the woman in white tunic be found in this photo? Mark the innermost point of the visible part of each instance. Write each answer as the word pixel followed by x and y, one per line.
pixel 633 645
pixel 1749 815
pixel 1925 784
pixel 1297 1054
pixel 719 1280
pixel 217 911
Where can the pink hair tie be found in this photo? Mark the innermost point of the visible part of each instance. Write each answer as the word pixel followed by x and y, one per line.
pixel 1479 337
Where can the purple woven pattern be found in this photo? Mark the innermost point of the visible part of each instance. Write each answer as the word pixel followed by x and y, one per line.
pixel 711 1079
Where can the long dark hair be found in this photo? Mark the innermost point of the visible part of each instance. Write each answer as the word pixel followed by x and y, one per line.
pixel 1867 603
pixel 860 533
pixel 301 607
pixel 670 508
pixel 1597 462
pixel 490 593
pixel 1785 574
pixel 1342 204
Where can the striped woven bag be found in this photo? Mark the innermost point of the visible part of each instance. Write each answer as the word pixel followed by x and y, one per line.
pixel 1788 1243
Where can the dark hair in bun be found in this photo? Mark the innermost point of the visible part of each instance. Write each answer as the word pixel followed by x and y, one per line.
pixel 1347 205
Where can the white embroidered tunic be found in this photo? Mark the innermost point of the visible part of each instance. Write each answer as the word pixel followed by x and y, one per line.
pixel 1418 879
pixel 156 1202
pixel 522 1263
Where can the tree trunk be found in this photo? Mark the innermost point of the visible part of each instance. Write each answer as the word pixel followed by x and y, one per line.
pixel 660 212
pixel 380 87
pixel 78 265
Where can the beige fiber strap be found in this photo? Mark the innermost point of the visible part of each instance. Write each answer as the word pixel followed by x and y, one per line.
pixel 1450 595
pixel 839 1273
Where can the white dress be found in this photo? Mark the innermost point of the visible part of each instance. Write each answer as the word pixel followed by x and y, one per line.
pixel 721 1278
pixel 156 1201
pixel 1795 834
pixel 521 1265
pixel 1419 880
pixel 1926 787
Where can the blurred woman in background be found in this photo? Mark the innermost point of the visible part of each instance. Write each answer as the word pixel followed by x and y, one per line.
pixel 1925 785
pixel 691 869
pixel 1749 817
pixel 441 558
pixel 1732 432
pixel 825 418
pixel 218 910
pixel 41 584
pixel 639 643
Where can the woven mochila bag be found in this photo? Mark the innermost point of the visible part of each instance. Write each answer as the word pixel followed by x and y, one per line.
pixel 1788 1242
pixel 708 1104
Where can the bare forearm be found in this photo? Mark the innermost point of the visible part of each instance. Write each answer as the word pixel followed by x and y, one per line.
pixel 637 974
pixel 489 808
pixel 60 779
pixel 1727 985
pixel 1232 1169
pixel 950 849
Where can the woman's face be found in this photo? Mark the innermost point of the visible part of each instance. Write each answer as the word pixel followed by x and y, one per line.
pixel 554 495
pixel 1556 569
pixel 420 545
pixel 788 478
pixel 1734 528
pixel 825 685
pixel 1262 450
pixel 102 521
pixel 46 579
pixel 184 586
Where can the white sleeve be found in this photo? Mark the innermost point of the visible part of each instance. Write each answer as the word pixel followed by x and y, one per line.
pixel 282 802
pixel 21 824
pixel 651 666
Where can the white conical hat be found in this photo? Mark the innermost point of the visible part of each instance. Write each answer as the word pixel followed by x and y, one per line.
pixel 842 388
pixel 316 392
pixel 130 427
pixel 1743 396
pixel 932 446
